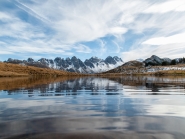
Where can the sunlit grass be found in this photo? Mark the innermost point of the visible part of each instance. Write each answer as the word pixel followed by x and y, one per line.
pixel 11 70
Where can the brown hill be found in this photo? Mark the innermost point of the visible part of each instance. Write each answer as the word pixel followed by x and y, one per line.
pixel 127 67
pixel 9 70
pixel 138 68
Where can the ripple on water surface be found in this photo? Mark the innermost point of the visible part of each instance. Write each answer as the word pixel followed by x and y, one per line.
pixel 115 107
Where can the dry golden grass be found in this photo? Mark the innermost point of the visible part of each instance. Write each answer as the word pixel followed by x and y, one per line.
pixel 9 73
pixel 10 70
pixel 10 83
pixel 178 65
pixel 128 70
pixel 170 72
pixel 158 73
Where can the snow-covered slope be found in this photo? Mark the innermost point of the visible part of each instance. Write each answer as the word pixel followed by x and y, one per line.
pixel 96 65
pixel 92 65
pixel 165 68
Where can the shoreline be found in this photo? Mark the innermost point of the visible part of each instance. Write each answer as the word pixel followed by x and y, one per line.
pixel 15 70
pixel 157 73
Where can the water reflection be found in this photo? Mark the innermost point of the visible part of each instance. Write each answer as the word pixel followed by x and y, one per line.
pixel 97 86
pixel 126 107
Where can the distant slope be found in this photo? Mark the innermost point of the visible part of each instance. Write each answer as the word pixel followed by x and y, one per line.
pixel 151 66
pixel 9 70
pixel 128 67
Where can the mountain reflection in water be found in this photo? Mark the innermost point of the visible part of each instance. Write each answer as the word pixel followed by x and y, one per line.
pixel 115 107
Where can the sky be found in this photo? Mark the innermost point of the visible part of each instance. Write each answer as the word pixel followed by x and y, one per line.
pixel 130 29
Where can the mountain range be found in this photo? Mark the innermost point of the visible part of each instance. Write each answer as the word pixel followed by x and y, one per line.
pixel 97 65
pixel 149 65
pixel 157 61
pixel 74 64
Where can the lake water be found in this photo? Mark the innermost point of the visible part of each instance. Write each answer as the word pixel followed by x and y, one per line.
pixel 92 107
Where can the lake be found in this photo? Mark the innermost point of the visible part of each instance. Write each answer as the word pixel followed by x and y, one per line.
pixel 92 107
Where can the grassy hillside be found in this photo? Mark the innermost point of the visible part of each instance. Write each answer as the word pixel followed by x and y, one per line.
pixel 11 70
pixel 127 68
pixel 171 72
pixel 137 68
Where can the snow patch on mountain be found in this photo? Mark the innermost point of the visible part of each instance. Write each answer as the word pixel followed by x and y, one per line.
pixel 74 64
pixel 155 69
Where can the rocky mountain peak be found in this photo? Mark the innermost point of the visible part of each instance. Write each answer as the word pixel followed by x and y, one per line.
pixel 94 59
pixel 117 59
pixel 74 64
pixel 68 61
pixel 57 59
pixel 134 63
pixel 68 58
pixel 74 58
pixel 156 58
pixel 30 60
pixel 156 61
pixel 153 60
pixel 110 60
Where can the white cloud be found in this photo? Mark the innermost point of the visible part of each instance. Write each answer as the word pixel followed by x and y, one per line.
pixel 103 48
pixel 164 32
pixel 145 51
pixel 118 47
pixel 82 48
pixel 172 46
pixel 163 7
pixel 31 11
pixel 181 8
pixel 36 47
pixel 118 30
pixel 27 48
pixel 70 23
pixel 17 29
pixel 76 21
pixel 177 38
pixel 5 52
pixel 160 24
pixel 4 16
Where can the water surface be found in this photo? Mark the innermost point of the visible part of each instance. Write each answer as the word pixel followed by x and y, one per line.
pixel 92 107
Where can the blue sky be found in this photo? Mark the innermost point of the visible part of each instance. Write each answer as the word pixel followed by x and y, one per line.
pixel 84 28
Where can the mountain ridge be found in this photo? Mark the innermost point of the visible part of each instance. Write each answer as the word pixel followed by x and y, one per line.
pixel 152 65
pixel 73 64
pixel 110 64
